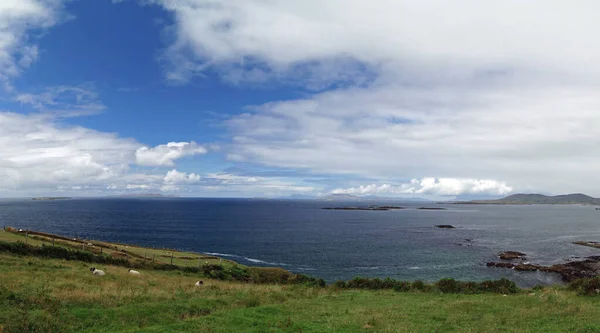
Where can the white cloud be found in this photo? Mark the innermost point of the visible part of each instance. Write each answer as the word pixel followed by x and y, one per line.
pixel 432 187
pixel 17 18
pixel 465 89
pixel 327 39
pixel 64 101
pixel 165 155
pixel 38 153
pixel 176 177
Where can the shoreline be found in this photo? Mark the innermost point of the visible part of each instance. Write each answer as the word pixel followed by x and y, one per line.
pixel 568 271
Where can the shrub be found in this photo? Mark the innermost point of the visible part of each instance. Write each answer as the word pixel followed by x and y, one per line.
pixel 586 287
pixel 538 287
pixel 401 286
pixel 448 285
pixel 340 284
pixel 502 286
pixel 469 287
pixel 419 285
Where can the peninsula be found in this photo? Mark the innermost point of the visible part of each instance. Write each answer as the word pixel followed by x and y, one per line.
pixel 539 199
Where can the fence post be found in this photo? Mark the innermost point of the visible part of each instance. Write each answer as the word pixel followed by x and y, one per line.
pixel 101 250
pixel 154 255
pixel 83 246
pixel 52 240
pixel 171 260
pixel 145 256
pixel 26 236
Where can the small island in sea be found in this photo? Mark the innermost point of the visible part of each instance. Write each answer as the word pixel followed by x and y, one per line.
pixel 538 199
pixel 378 208
pixel 50 198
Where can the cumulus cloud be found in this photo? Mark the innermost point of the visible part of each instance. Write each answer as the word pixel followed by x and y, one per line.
pixel 38 153
pixel 290 38
pixel 176 177
pixel 432 187
pixel 228 184
pixel 165 155
pixel 42 155
pixel 17 18
pixel 464 89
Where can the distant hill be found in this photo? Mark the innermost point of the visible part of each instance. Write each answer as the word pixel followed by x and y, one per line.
pixel 540 199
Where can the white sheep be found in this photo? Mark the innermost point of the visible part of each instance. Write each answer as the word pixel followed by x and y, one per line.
pixel 199 283
pixel 97 271
pixel 133 272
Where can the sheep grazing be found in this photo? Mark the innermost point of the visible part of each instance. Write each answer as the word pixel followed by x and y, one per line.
pixel 199 283
pixel 134 272
pixel 97 271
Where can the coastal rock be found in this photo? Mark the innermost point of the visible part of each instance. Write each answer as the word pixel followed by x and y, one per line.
pixel 589 244
pixel 511 255
pixel 445 226
pixel 569 271
pixel 431 208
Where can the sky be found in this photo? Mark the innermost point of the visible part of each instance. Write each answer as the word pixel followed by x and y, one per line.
pixel 285 98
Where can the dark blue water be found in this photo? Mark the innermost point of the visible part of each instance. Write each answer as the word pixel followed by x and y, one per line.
pixel 301 237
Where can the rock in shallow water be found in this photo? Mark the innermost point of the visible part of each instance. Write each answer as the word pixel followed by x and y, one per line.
pixel 569 271
pixel 511 255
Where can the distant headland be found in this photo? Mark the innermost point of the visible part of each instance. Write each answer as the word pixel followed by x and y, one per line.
pixel 51 198
pixel 538 199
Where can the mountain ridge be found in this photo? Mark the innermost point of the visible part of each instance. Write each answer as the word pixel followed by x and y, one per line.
pixel 540 199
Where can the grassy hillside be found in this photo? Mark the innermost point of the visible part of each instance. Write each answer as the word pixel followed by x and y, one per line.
pixel 55 295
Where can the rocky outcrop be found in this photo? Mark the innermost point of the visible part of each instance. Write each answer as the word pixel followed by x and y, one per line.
pixel 432 208
pixel 445 226
pixel 511 255
pixel 590 244
pixel 569 271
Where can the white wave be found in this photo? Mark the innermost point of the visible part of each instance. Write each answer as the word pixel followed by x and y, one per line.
pixel 258 261
pixel 221 254
pixel 414 267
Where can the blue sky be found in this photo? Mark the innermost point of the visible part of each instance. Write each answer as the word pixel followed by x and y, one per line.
pixel 276 98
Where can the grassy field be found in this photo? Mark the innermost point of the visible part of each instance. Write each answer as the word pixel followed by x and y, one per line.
pixel 53 295
pixel 122 250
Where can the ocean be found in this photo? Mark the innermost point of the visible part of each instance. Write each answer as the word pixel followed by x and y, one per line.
pixel 303 238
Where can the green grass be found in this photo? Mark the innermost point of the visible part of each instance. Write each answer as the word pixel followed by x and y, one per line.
pixel 161 256
pixel 53 295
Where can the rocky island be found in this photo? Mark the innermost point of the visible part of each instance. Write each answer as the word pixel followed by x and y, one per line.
pixel 376 208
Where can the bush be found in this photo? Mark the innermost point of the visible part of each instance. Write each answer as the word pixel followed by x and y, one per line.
pixel 419 285
pixel 502 286
pixel 340 284
pixel 401 286
pixel 538 287
pixel 586 287
pixel 448 285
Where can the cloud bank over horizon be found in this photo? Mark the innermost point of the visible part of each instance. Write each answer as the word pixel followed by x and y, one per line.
pixel 426 187
pixel 387 97
pixel 467 89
